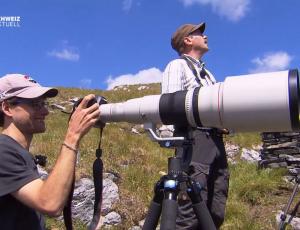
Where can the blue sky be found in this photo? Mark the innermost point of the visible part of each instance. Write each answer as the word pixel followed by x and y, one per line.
pixel 103 43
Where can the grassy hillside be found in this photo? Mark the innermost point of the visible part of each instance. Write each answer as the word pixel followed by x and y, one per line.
pixel 254 195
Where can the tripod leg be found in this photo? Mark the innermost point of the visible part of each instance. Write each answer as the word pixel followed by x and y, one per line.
pixel 155 207
pixel 293 213
pixel 205 220
pixel 152 216
pixel 287 207
pixel 171 190
pixel 169 212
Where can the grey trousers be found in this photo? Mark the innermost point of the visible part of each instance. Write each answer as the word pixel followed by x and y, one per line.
pixel 206 162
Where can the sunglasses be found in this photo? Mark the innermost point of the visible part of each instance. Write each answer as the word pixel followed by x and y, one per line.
pixel 35 104
pixel 196 33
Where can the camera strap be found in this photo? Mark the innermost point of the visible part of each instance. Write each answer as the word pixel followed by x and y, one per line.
pixel 98 183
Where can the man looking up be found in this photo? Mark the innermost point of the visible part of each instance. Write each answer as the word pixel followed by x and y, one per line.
pixel 205 160
pixel 23 196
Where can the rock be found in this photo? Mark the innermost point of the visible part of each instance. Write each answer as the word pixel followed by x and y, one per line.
pixel 141 223
pixel 165 131
pixel 110 195
pixel 232 152
pixel 143 87
pixel 250 155
pixel 257 148
pixel 74 99
pixel 112 218
pixel 84 197
pixel 283 145
pixel 57 106
pixel 115 177
pixel 83 200
pixel 135 131
pixel 135 228
pixel 42 172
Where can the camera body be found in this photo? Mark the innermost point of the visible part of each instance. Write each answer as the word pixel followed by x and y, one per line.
pixel 99 100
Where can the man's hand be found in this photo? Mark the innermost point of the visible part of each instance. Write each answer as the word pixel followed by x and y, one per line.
pixel 82 120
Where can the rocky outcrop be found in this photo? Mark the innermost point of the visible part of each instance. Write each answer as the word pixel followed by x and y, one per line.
pixel 280 149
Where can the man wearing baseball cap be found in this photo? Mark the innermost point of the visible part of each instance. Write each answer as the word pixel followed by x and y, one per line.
pixel 23 196
pixel 205 161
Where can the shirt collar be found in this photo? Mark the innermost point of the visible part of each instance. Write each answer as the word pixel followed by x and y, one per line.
pixel 199 63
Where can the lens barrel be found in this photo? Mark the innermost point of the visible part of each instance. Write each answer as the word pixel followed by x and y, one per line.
pixel 246 103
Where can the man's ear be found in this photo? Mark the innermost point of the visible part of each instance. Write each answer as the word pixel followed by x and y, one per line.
pixel 5 108
pixel 187 41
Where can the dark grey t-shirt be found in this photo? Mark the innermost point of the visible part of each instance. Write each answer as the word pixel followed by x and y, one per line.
pixel 17 168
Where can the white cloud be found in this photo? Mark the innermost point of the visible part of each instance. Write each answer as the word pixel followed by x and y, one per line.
pixel 152 75
pixel 68 54
pixel 127 4
pixel 233 10
pixel 85 83
pixel 274 61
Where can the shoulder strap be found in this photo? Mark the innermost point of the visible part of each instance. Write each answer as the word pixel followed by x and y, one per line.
pixel 203 71
pixel 192 68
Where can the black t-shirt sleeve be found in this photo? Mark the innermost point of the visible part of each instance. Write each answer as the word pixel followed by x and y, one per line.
pixel 15 172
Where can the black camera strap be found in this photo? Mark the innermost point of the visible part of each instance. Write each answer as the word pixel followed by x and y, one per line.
pixel 98 183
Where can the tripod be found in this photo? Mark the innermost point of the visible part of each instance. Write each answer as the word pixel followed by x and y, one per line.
pixel 164 202
pixel 283 216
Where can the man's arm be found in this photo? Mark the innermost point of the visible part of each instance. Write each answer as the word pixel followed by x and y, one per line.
pixel 49 196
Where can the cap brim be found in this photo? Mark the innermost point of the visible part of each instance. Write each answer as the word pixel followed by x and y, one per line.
pixel 200 27
pixel 34 92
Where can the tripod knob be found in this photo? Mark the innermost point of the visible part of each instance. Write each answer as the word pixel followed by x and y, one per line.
pixel 194 191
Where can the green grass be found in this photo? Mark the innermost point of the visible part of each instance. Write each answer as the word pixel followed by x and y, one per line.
pixel 139 162
pixel 246 140
pixel 251 189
